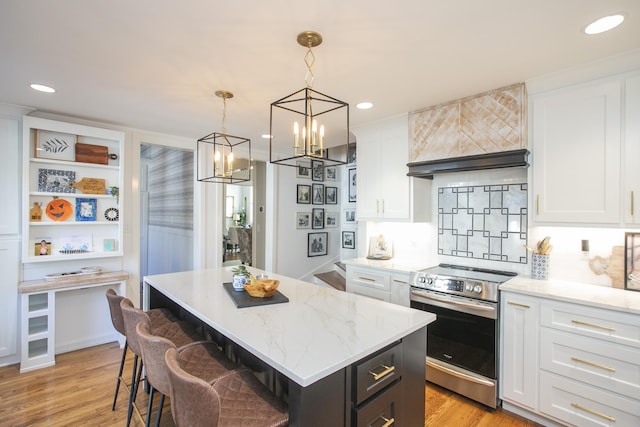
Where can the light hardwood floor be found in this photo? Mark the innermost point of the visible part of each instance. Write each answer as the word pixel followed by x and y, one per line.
pixel 78 391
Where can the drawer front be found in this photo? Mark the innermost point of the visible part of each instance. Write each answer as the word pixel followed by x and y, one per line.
pixel 609 325
pixel 610 366
pixel 581 405
pixel 369 278
pixel 377 372
pixel 382 411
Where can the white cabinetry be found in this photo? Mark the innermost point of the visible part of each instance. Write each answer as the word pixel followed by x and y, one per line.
pixel 9 266
pixel 384 191
pixel 571 363
pixel 380 284
pixel 87 233
pixel 519 326
pixel 576 153
pixel 631 193
pixel 10 173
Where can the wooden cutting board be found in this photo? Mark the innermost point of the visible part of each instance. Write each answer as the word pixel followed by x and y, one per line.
pixel 89 153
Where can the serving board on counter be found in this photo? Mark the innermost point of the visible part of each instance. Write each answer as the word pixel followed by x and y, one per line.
pixel 243 299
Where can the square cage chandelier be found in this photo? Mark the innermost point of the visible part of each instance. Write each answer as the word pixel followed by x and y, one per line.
pixel 224 158
pixel 308 124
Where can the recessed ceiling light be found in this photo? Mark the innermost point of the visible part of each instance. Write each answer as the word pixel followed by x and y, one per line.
pixel 364 105
pixel 42 88
pixel 604 24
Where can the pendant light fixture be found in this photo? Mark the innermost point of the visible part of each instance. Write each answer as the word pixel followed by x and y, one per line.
pixel 308 124
pixel 224 158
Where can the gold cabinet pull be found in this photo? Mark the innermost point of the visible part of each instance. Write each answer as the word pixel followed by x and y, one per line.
pixel 366 279
pixel 632 203
pixel 592 325
pixel 387 421
pixel 517 304
pixel 596 365
pixel 592 412
pixel 387 371
pixel 537 204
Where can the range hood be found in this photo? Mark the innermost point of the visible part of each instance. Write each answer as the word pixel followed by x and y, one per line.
pixel 503 159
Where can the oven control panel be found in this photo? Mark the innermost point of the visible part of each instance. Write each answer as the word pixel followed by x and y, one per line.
pixel 450 285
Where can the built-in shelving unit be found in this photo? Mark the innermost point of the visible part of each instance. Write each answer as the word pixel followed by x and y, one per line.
pixel 50 175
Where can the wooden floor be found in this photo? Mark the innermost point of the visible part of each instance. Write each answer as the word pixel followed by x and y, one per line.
pixel 78 391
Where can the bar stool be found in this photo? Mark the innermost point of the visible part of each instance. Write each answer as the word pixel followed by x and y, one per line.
pixel 237 398
pixel 180 333
pixel 158 316
pixel 203 359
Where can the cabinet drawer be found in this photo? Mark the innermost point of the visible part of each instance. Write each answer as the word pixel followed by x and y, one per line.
pixel 607 365
pixel 369 278
pixel 377 372
pixel 382 411
pixel 581 405
pixel 608 325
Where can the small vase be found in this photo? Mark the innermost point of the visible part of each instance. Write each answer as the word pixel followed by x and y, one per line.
pixel 539 266
pixel 238 282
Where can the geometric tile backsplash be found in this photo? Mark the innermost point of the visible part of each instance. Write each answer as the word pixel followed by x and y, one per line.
pixel 483 221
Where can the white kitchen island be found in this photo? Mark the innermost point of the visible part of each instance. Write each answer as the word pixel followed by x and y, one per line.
pixel 348 359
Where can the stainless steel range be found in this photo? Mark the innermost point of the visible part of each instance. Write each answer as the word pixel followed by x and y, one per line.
pixel 462 344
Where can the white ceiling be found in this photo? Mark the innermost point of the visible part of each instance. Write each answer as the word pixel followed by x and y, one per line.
pixel 155 65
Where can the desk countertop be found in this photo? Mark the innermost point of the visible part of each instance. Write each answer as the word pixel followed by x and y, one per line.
pixel 318 332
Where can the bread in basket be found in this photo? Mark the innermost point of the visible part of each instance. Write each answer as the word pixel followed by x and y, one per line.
pixel 262 288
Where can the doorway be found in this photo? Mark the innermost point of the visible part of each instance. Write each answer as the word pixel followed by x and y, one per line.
pixel 166 209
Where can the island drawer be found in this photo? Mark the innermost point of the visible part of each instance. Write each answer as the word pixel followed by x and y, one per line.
pixel 381 411
pixel 377 372
pixel 608 325
pixel 369 278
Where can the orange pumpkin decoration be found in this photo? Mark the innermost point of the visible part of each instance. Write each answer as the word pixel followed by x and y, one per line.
pixel 59 209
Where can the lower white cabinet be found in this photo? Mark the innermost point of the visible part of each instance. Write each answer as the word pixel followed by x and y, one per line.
pixel 58 318
pixel 519 326
pixel 570 363
pixel 9 265
pixel 381 284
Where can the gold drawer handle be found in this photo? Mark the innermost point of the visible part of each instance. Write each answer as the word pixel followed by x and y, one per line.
pixel 367 279
pixel 596 365
pixel 518 304
pixel 606 328
pixel 387 370
pixel 591 411
pixel 387 421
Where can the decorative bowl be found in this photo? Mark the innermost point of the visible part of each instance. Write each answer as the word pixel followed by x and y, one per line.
pixel 263 288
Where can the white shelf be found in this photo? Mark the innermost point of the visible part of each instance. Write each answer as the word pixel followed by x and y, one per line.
pixel 84 196
pixel 73 164
pixel 67 223
pixel 89 255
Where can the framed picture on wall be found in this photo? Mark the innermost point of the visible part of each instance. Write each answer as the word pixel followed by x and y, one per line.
pixel 55 145
pixel 331 173
pixel 318 194
pixel 349 216
pixel 304 194
pixel 317 218
pixel 331 219
pixel 303 170
pixel 352 185
pixel 317 170
pixel 303 219
pixel 331 195
pixel 349 239
pixel 317 244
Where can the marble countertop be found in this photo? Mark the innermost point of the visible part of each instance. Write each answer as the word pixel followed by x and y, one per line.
pixel 579 293
pixel 71 282
pixel 318 332
pixel 397 265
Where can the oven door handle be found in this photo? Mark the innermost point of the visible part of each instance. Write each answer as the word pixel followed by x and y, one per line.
pixel 459 374
pixel 458 303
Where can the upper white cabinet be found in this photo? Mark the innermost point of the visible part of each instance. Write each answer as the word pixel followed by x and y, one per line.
pixel 9 170
pixel 576 153
pixel 384 191
pixel 631 192
pixel 67 212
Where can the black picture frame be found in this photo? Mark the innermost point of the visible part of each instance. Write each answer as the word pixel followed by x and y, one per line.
pixel 349 239
pixel 317 244
pixel 303 170
pixel 317 194
pixel 331 195
pixel 317 218
pixel 317 170
pixel 352 185
pixel 303 194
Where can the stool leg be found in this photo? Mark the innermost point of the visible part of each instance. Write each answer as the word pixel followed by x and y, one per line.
pixel 135 381
pixel 147 422
pixel 160 410
pixel 115 395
